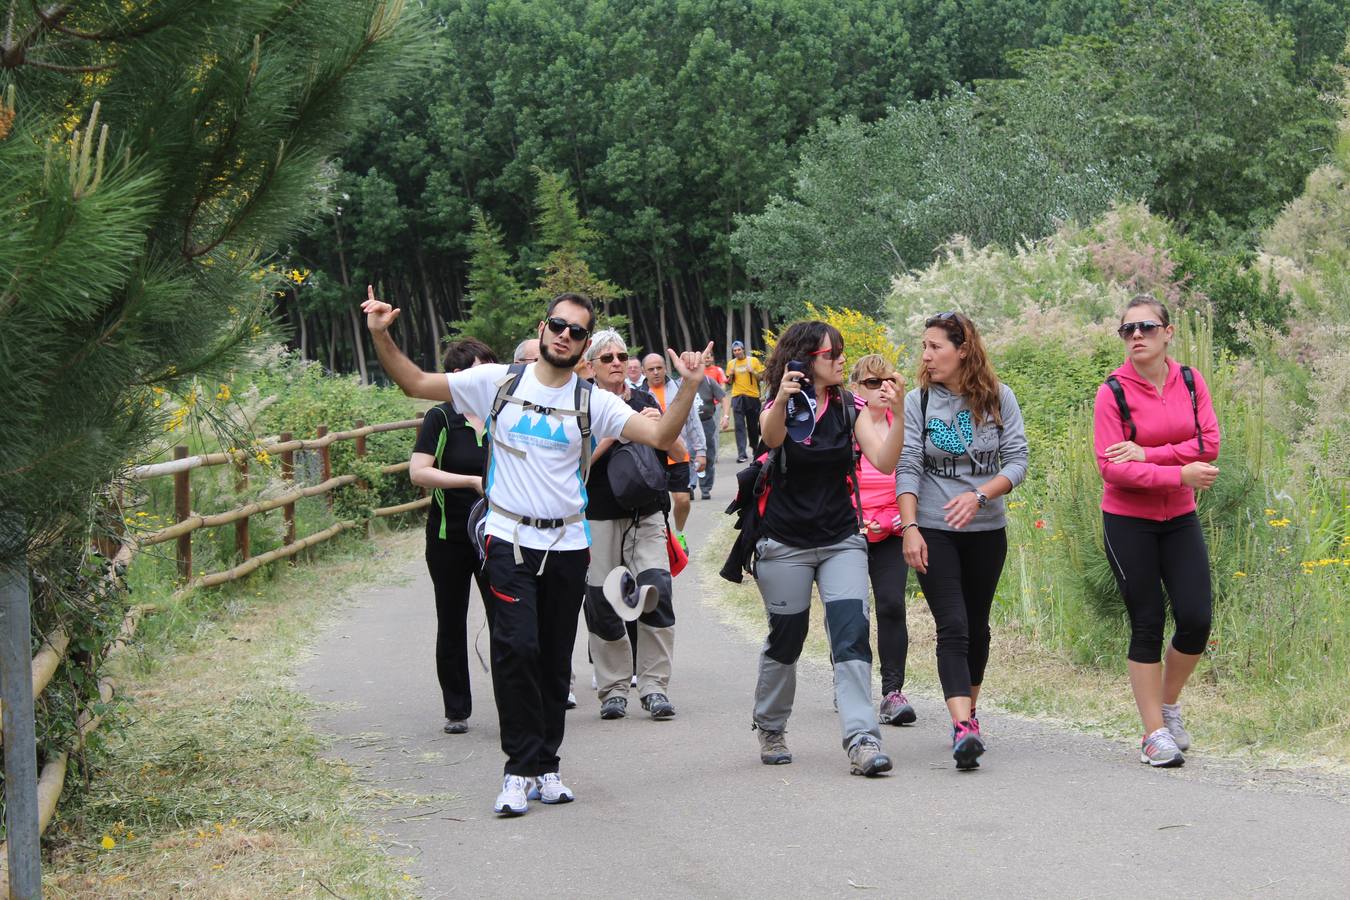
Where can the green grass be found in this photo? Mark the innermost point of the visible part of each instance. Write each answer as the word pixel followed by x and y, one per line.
pixel 211 782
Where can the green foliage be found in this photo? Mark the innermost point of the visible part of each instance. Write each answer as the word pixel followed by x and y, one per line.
pixel 1206 91
pixel 567 236
pixel 871 201
pixel 501 313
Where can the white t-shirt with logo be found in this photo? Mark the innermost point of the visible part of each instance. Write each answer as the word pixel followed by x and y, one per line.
pixel 546 483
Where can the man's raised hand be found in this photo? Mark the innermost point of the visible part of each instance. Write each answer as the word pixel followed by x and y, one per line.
pixel 379 315
pixel 689 364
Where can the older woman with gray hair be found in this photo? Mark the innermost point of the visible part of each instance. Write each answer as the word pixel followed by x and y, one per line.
pixel 635 539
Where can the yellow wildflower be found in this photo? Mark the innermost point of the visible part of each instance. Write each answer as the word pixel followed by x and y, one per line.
pixel 1239 574
pixel 107 842
pixel 1278 523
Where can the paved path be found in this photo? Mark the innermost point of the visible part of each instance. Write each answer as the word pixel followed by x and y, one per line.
pixel 684 808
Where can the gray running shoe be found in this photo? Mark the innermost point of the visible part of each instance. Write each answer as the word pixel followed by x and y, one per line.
pixel 865 758
pixel 614 708
pixel 896 710
pixel 773 749
pixel 1172 722
pixel 658 705
pixel 1160 751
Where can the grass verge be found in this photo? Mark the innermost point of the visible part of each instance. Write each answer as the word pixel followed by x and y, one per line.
pixel 1028 679
pixel 213 785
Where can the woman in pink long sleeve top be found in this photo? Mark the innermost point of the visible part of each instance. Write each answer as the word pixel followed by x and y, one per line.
pixel 1153 455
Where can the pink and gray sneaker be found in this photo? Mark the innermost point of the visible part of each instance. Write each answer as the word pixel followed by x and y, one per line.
pixel 1160 750
pixel 896 710
pixel 967 745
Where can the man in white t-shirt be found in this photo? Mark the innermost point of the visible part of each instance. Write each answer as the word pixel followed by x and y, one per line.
pixel 537 537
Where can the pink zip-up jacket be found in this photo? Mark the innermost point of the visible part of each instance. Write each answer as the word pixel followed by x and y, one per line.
pixel 1165 425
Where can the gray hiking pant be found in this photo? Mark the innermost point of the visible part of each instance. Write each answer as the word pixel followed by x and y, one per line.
pixel 785 575
pixel 642 548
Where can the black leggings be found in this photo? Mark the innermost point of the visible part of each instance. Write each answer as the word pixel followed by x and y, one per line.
pixel 451 565
pixel 887 570
pixel 1147 556
pixel 963 572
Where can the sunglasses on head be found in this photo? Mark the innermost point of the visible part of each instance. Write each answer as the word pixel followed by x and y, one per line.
pixel 606 358
pixel 558 325
pixel 1146 328
pixel 834 352
pixel 873 383
pixel 948 317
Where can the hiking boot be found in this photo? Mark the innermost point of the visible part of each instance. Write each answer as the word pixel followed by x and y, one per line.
pixel 658 705
pixel 866 758
pixel 571 700
pixel 614 708
pixel 967 745
pixel 550 789
pixel 895 710
pixel 1160 750
pixel 707 495
pixel 455 726
pixel 773 749
pixel 512 800
pixel 1172 722
pixel 741 458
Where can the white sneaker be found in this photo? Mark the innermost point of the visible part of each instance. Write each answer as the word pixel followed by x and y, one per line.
pixel 1172 722
pixel 550 789
pixel 1160 750
pixel 512 800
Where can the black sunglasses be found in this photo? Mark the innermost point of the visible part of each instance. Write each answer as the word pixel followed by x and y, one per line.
pixel 607 358
pixel 558 325
pixel 873 383
pixel 952 317
pixel 1146 328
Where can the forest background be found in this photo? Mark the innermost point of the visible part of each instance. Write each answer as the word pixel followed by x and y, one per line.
pixel 710 170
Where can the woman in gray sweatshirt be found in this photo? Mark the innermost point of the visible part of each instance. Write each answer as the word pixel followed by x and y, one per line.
pixel 965 448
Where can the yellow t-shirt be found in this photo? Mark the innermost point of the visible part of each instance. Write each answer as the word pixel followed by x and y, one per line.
pixel 744 375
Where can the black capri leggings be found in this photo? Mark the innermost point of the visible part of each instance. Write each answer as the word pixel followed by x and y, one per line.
pixel 1147 556
pixel 963 572
pixel 887 570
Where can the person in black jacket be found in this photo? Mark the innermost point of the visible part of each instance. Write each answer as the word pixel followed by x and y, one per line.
pixel 448 460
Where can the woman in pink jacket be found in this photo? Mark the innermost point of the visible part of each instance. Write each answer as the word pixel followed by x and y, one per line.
pixel 885 552
pixel 1155 434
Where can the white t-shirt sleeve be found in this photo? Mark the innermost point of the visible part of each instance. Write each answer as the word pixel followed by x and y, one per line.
pixel 473 390
pixel 608 414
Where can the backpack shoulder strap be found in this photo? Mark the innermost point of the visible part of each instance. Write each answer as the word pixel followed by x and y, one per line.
pixel 1118 391
pixel 1189 378
pixel 506 388
pixel 851 422
pixel 438 494
pixel 923 417
pixel 582 399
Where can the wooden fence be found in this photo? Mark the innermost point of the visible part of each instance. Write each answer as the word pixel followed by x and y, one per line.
pixel 51 781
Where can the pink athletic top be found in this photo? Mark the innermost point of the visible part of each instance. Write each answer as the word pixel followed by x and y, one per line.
pixel 1166 430
pixel 877 490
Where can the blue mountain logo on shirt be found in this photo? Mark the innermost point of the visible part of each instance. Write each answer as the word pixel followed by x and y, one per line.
pixel 538 429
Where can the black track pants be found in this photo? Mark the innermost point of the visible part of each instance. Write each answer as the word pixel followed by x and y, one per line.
pixel 963 572
pixel 451 566
pixel 533 625
pixel 1147 556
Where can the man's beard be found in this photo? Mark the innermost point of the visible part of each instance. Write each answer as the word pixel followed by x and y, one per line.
pixel 559 362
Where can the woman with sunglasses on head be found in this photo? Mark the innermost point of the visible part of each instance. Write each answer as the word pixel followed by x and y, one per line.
pixel 1155 433
pixel 965 448
pixel 448 460
pixel 881 522
pixel 811 535
pixel 636 539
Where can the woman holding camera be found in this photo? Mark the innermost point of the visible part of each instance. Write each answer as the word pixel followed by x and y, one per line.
pixel 881 523
pixel 965 448
pixel 811 536
pixel 1155 441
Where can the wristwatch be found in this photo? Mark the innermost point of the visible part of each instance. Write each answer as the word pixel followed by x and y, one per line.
pixel 981 499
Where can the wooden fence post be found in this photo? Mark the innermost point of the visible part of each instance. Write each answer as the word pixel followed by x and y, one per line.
pixel 182 508
pixel 241 542
pixel 325 463
pixel 288 475
pixel 360 456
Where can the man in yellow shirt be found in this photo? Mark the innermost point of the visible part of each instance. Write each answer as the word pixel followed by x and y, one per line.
pixel 745 373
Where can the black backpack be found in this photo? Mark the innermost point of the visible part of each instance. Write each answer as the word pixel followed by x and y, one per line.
pixel 636 474
pixel 1187 376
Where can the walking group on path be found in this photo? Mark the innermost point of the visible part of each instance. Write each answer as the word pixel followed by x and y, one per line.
pixel 555 477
